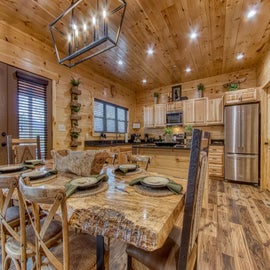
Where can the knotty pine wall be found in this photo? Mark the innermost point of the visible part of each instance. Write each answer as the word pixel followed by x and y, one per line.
pixel 23 51
pixel 213 89
pixel 263 81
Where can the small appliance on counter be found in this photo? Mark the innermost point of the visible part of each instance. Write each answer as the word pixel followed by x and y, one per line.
pixel 179 138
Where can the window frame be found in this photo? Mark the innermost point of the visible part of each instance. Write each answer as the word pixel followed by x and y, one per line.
pixel 105 130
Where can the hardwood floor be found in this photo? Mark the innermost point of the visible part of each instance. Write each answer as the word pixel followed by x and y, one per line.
pixel 234 232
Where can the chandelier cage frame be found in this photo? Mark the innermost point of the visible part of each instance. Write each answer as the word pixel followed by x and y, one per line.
pixel 75 42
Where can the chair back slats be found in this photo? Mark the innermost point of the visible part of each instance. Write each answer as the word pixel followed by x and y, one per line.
pixel 138 159
pixel 194 195
pixel 19 150
pixel 55 197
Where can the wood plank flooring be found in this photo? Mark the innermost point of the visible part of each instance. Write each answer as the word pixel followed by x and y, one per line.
pixel 234 232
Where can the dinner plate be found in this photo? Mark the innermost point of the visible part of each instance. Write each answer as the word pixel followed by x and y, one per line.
pixel 129 167
pixel 35 174
pixel 155 181
pixel 30 161
pixel 11 168
pixel 85 182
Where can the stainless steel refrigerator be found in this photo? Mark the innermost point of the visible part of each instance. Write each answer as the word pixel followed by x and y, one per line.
pixel 242 143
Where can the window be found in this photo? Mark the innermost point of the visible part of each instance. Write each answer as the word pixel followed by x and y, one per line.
pixel 32 109
pixel 109 117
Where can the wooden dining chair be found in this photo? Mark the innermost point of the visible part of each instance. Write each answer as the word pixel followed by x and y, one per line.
pixel 76 251
pixel 180 249
pixel 19 150
pixel 13 227
pixel 142 161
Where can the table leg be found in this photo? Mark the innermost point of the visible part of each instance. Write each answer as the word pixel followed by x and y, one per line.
pixel 100 252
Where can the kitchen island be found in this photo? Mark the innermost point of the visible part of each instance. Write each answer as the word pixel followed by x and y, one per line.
pixel 168 160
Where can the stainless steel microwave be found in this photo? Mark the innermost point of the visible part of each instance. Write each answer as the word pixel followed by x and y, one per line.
pixel 174 118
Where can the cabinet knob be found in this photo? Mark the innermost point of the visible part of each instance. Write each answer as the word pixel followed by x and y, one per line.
pixel 4 134
pixel 3 144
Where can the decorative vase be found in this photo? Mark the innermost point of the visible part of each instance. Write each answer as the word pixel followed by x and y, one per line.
pixel 168 137
pixel 155 100
pixel 200 93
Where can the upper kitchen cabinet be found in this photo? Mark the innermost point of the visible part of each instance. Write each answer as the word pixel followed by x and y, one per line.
pixel 194 111
pixel 241 96
pixel 154 116
pixel 175 106
pixel 148 116
pixel 214 111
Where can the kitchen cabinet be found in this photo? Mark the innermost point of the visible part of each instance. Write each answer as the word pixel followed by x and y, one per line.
pixel 241 96
pixel 214 111
pixel 194 111
pixel 148 116
pixel 155 115
pixel 175 106
pixel 216 161
pixel 160 115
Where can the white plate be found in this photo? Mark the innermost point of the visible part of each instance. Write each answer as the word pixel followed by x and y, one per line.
pixel 155 181
pixel 129 167
pixel 11 168
pixel 35 174
pixel 85 182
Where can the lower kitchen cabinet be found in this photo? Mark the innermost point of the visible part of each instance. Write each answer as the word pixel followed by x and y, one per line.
pixel 216 161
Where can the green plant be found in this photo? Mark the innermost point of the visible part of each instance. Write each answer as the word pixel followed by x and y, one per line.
pixel 74 135
pixel 75 82
pixel 75 108
pixel 200 86
pixel 168 130
pixel 155 94
pixel 188 129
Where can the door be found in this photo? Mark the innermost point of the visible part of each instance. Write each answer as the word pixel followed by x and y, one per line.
pixel 241 129
pixel 242 168
pixel 3 113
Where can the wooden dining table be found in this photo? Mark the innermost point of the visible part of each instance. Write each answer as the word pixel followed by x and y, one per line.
pixel 120 212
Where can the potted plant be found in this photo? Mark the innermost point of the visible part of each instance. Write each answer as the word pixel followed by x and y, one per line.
pixel 188 130
pixel 155 97
pixel 74 86
pixel 200 88
pixel 168 132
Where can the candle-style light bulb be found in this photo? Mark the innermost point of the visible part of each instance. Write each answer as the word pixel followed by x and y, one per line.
pixel 69 38
pixel 84 33
pixel 84 27
pixel 94 21
pixel 104 13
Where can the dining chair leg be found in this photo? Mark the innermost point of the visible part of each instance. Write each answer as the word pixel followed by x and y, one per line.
pixel 100 252
pixel 129 262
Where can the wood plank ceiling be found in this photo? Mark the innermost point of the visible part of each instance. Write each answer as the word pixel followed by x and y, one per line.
pixel 165 25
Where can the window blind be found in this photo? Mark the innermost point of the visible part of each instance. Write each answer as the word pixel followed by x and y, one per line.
pixel 32 109
pixel 109 117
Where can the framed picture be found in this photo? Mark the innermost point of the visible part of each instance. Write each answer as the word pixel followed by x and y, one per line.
pixel 176 93
pixel 136 125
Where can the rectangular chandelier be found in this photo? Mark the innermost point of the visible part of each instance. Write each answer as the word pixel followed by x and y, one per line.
pixel 86 29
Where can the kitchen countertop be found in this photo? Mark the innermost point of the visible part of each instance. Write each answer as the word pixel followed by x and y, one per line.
pixel 152 145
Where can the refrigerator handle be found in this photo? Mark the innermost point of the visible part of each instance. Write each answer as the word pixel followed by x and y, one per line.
pixel 242 128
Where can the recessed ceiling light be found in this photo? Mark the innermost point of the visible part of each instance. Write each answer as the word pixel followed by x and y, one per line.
pixel 144 81
pixel 251 13
pixel 193 35
pixel 120 62
pixel 188 69
pixel 150 51
pixel 240 56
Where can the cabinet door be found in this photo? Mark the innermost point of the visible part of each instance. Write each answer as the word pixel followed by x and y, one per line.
pixel 232 98
pixel 214 111
pixel 160 115
pixel 199 111
pixel 148 116
pixel 188 112
pixel 249 95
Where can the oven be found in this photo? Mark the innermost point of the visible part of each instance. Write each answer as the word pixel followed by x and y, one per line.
pixel 174 118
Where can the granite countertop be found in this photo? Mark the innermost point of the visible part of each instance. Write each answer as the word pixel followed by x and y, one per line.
pixel 153 146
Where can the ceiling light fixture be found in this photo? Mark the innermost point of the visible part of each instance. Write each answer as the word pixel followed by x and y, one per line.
pixel 150 51
pixel 144 81
pixel 86 29
pixel 240 56
pixel 251 13
pixel 193 35
pixel 188 69
pixel 120 62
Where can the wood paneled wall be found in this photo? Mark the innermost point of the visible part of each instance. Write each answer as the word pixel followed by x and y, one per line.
pixel 213 89
pixel 23 51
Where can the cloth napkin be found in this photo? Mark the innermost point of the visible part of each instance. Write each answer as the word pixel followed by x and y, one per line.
pixel 71 188
pixel 171 185
pixel 34 162
pixel 122 171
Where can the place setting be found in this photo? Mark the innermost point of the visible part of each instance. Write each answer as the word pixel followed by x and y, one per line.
pixel 127 169
pixel 156 186
pixel 40 176
pixel 15 169
pixel 86 186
